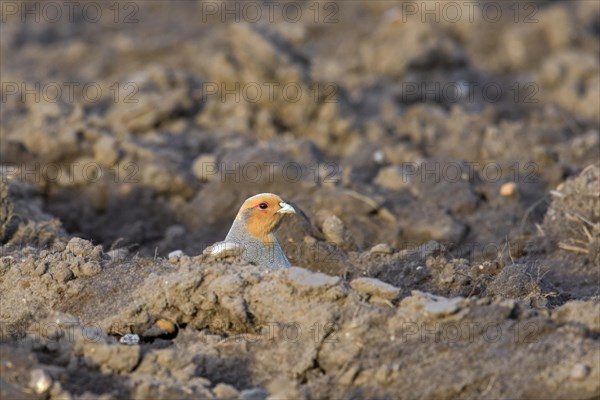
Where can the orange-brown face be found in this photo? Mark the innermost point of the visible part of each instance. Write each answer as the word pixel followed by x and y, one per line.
pixel 262 214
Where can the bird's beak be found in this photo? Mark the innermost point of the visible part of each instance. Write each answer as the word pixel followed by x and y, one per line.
pixel 286 209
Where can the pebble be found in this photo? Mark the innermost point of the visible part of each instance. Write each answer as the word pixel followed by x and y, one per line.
pixel 304 278
pixel 443 307
pixel 334 230
pixel 105 151
pixel 130 339
pixel 165 325
pixel 439 306
pixel 379 157
pixel 40 381
pixel 225 391
pixel 40 269
pixel 64 320
pixel 508 189
pixel 254 394
pixel 204 167
pixel 175 255
pixel 393 178
pixel 580 372
pixel 375 287
pixel 381 248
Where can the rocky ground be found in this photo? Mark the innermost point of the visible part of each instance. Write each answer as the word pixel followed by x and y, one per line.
pixel 448 176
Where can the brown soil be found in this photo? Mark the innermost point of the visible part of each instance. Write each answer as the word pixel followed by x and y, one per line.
pixel 447 245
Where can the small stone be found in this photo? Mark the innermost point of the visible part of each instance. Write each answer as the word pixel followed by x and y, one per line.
pixel 176 126
pixel 165 325
pixel 375 287
pixel 174 256
pixel 381 248
pixel 130 339
pixel 334 230
pixel 439 306
pixel 64 320
pixel 442 308
pixel 225 391
pixel 303 278
pixel 580 372
pixel 205 167
pixel 105 151
pixel 254 394
pixel 40 269
pixel 508 189
pixel 40 381
pixel 393 178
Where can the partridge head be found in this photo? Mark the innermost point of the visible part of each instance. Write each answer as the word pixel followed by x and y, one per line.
pixel 252 231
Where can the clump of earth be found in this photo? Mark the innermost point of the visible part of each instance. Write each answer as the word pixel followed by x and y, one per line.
pixel 447 237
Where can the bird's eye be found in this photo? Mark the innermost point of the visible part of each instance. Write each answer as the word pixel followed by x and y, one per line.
pixel 263 205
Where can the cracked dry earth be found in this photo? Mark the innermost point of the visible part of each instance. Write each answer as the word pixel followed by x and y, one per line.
pixel 408 281
pixel 208 328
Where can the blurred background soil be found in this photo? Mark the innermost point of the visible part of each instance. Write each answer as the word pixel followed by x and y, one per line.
pixel 445 157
